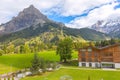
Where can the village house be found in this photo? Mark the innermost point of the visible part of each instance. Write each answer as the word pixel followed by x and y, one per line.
pixel 105 57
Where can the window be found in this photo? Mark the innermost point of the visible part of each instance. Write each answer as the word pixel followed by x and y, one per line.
pixel 89 49
pixel 110 54
pixel 104 54
pixel 107 59
pixel 96 59
pixel 89 59
pixel 83 59
pixel 107 54
pixel 89 54
pixel 83 54
pixel 96 54
pixel 90 64
pixel 119 48
pixel 83 50
pixel 108 65
pixel 83 64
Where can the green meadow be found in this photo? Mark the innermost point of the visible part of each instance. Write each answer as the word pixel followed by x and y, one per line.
pixel 78 74
pixel 13 62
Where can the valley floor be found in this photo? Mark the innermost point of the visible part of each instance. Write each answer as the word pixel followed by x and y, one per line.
pixel 14 62
pixel 78 74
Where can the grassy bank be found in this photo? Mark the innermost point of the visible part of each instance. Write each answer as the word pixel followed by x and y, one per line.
pixel 78 74
pixel 12 62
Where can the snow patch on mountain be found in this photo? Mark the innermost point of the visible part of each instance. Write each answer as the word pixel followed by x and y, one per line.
pixel 112 24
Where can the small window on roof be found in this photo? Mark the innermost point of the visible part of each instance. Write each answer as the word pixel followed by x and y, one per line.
pixel 89 49
pixel 83 49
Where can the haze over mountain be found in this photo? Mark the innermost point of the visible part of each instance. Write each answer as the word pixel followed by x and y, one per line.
pixel 110 26
pixel 31 23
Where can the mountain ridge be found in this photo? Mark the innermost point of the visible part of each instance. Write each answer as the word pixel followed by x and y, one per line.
pixel 32 23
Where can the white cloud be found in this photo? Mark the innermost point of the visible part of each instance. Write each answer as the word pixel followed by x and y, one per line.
pixel 101 13
pixel 72 7
pixel 10 8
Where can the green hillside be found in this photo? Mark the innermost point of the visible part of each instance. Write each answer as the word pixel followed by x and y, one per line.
pixel 87 34
pixel 53 32
pixel 92 35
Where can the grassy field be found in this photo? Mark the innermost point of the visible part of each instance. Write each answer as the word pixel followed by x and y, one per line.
pixel 13 62
pixel 78 74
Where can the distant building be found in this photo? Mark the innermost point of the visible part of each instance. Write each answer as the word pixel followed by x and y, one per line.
pixel 105 57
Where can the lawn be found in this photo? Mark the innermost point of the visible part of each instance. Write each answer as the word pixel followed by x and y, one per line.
pixel 78 74
pixel 13 62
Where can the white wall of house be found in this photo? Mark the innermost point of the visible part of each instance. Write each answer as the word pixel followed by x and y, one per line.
pixel 87 64
pixel 117 65
pixel 97 64
pixel 93 64
pixel 80 64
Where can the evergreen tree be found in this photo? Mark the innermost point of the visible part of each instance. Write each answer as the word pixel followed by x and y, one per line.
pixel 10 48
pixel 5 48
pixel 27 48
pixel 35 64
pixel 22 50
pixel 112 41
pixel 1 52
pixel 42 65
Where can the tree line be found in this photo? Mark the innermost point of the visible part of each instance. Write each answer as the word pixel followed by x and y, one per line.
pixel 36 45
pixel 104 43
pixel 22 46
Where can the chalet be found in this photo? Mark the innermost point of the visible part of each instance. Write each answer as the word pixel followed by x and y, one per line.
pixel 105 57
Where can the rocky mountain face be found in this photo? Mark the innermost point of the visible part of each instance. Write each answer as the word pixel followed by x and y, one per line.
pixel 31 23
pixel 26 18
pixel 110 26
pixel 53 32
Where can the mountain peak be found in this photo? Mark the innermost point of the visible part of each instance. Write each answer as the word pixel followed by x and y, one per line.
pixel 31 10
pixel 109 26
pixel 31 6
pixel 29 16
pixel 32 13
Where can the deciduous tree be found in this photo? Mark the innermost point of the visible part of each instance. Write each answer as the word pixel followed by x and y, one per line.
pixel 64 49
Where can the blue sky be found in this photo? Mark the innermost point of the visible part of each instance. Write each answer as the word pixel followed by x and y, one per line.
pixel 64 19
pixel 67 19
pixel 75 14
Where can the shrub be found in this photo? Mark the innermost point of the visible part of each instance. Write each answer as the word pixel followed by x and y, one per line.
pixel 42 64
pixel 8 78
pixel 1 52
pixel 54 65
pixel 35 65
pixel 12 78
